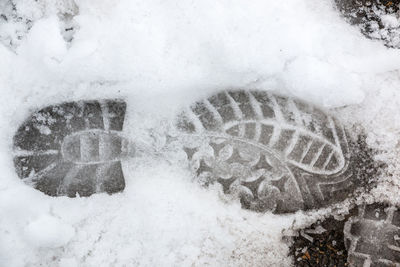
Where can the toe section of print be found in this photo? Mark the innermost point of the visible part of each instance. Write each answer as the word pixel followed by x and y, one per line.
pixel 276 153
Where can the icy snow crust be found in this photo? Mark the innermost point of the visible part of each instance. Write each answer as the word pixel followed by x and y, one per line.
pixel 159 56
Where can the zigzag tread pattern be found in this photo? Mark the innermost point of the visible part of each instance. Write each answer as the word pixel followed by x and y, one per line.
pixel 304 138
pixel 304 135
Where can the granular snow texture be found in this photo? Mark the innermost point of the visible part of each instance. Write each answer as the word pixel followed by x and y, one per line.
pixel 160 56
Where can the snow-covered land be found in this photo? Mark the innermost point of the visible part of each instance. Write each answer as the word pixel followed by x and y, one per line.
pixel 159 56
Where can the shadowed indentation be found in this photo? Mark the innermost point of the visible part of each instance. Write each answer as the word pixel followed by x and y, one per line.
pixel 63 149
pixel 116 113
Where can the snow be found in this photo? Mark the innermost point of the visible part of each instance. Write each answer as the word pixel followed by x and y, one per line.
pixel 48 231
pixel 159 56
pixel 390 21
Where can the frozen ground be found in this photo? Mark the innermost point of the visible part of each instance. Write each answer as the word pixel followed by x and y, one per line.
pixel 160 55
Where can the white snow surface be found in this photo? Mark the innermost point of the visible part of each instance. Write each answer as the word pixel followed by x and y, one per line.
pixel 159 56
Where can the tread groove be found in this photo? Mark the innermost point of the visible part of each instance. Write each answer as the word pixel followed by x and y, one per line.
pixel 298 141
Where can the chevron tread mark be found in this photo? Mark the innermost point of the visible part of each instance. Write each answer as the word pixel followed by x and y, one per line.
pixel 304 145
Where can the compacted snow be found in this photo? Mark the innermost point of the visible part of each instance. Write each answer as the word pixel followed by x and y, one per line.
pixel 159 56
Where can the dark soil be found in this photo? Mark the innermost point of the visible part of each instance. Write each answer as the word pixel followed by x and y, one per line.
pixel 321 244
pixel 364 14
